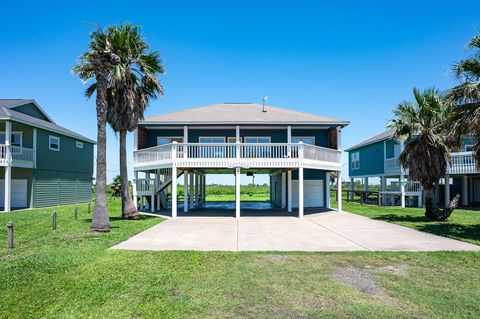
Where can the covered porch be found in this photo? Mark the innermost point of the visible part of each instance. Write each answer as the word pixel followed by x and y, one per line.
pixel 159 192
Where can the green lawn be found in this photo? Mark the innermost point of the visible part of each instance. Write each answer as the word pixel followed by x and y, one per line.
pixel 243 197
pixel 71 273
pixel 462 224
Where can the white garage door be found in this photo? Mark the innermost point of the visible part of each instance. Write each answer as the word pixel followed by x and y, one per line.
pixel 313 193
pixel 19 193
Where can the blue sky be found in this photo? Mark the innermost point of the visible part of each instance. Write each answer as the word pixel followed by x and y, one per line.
pixel 353 60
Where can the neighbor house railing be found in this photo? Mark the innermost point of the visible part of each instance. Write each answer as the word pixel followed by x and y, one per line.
pixel 18 155
pixel 462 163
pixel 239 154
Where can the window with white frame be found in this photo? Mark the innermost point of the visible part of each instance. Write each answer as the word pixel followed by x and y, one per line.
pixel 304 139
pixel 257 139
pixel 53 143
pixel 15 139
pixel 233 139
pixel 211 139
pixel 162 140
pixel 79 144
pixel 468 148
pixel 355 160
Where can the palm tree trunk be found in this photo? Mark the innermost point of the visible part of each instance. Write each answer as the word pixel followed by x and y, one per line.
pixel 431 206
pixel 129 208
pixel 100 220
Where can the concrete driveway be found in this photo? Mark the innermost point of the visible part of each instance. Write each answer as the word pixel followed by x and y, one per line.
pixel 327 231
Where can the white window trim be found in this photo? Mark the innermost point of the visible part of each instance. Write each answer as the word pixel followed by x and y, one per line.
pixel 50 137
pixel 15 132
pixel 257 137
pixel 79 144
pixel 355 164
pixel 312 137
pixel 467 145
pixel 233 139
pixel 212 137
pixel 170 137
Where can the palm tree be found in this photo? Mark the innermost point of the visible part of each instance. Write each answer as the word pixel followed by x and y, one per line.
pixel 132 83
pixel 423 126
pixel 97 64
pixel 465 99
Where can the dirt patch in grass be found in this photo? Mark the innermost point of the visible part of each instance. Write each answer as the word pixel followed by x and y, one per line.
pixel 363 279
pixel 276 257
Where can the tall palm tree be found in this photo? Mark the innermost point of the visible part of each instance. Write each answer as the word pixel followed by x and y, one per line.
pixel 133 82
pixel 423 126
pixel 97 63
pixel 466 98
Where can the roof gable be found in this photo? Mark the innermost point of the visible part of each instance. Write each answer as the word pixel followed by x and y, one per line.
pixel 26 106
pixel 241 113
pixel 377 138
pixel 9 110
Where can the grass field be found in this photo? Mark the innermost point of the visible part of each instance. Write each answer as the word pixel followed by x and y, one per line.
pixel 462 224
pixel 71 273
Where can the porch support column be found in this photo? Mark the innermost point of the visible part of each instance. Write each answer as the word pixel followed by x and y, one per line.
pixel 447 190
pixel 192 180
pixel 174 192
pixel 339 191
pixel 152 193
pixel 383 188
pixel 352 188
pixel 365 184
pixel 465 190
pixel 327 189
pixel 284 186
pixel 135 198
pixel 185 134
pixel 8 168
pixel 197 180
pixel 185 192
pixel 402 179
pixel 289 190
pixel 300 192
pixel 237 133
pixel 237 192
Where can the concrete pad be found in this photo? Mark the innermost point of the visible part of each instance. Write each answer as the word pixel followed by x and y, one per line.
pixel 325 231
pixel 186 233
pixel 289 234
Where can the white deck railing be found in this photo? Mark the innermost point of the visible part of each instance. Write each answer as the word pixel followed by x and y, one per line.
pixel 226 155
pixel 21 156
pixel 462 163
pixel 410 187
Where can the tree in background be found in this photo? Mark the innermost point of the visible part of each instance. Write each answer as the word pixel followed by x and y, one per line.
pixel 423 126
pixel 465 99
pixel 96 64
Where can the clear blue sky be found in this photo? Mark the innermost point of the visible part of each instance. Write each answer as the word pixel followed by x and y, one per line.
pixel 353 60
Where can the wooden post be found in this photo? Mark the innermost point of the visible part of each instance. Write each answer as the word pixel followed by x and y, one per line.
pixel 379 199
pixel 88 208
pixel 75 213
pixel 10 235
pixel 54 220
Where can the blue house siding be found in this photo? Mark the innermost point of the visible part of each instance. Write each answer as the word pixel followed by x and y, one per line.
pixel 371 160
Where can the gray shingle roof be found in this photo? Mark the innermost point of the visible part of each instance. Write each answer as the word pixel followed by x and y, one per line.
pixel 241 113
pixel 377 138
pixel 6 113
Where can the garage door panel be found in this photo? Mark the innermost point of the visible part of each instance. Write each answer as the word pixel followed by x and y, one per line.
pixel 19 190
pixel 313 193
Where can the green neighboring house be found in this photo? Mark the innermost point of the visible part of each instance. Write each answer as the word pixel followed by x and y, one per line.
pixel 41 163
